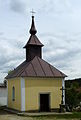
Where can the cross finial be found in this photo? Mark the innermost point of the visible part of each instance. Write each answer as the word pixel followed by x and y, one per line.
pixel 32 12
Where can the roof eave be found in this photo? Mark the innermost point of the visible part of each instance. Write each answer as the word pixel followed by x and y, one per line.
pixel 38 77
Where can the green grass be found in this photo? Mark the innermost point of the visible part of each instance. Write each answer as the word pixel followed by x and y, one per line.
pixel 68 116
pixel 74 115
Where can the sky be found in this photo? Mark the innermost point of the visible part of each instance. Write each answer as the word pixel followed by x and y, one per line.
pixel 58 24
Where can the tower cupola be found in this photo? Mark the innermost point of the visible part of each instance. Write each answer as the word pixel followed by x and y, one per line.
pixel 33 46
pixel 33 30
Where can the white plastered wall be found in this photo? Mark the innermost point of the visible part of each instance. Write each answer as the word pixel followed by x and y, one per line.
pixel 22 94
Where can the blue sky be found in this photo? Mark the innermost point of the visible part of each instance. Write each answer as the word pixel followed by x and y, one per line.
pixel 58 24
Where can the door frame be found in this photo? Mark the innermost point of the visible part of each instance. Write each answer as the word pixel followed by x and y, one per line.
pixel 49 99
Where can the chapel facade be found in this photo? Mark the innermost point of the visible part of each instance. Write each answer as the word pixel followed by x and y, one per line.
pixel 35 84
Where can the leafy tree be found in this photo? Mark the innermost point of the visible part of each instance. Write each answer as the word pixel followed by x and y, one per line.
pixel 68 84
pixel 72 96
pixel 75 85
pixel 79 97
pixel 10 71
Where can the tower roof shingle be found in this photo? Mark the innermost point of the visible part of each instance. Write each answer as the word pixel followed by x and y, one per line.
pixel 33 40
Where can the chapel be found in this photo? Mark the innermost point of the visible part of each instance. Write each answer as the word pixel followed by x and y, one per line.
pixel 35 84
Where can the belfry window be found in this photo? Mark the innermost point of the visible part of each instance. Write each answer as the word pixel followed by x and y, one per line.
pixel 13 93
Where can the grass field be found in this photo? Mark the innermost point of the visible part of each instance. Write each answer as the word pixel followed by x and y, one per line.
pixel 7 116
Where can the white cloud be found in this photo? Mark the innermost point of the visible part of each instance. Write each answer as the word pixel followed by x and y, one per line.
pixel 17 6
pixel 59 28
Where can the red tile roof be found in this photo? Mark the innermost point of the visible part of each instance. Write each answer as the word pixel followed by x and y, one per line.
pixel 36 68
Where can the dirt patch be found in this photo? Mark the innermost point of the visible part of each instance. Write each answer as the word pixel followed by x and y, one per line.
pixel 8 116
pixel 14 117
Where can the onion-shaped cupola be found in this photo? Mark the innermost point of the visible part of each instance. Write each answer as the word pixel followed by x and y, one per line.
pixel 33 46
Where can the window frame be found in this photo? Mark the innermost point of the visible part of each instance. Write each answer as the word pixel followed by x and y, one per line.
pixel 13 93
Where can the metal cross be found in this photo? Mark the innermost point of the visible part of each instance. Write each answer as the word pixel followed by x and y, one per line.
pixel 32 12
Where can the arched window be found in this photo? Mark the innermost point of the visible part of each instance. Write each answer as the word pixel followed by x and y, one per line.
pixel 13 93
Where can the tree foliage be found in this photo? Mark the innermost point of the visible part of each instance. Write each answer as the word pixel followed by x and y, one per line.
pixel 72 96
pixel 10 71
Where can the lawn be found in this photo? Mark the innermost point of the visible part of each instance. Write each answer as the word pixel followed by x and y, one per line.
pixel 7 116
pixel 74 116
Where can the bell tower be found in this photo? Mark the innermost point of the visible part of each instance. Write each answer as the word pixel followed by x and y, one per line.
pixel 33 46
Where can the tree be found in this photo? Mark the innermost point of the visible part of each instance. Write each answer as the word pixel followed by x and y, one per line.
pixel 10 71
pixel 72 98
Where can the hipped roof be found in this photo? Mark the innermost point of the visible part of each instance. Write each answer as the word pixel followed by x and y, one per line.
pixel 33 40
pixel 37 67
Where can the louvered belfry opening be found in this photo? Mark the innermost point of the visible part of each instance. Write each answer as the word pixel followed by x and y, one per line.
pixel 33 46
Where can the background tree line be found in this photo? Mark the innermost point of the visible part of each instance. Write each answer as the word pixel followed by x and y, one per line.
pixel 73 92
